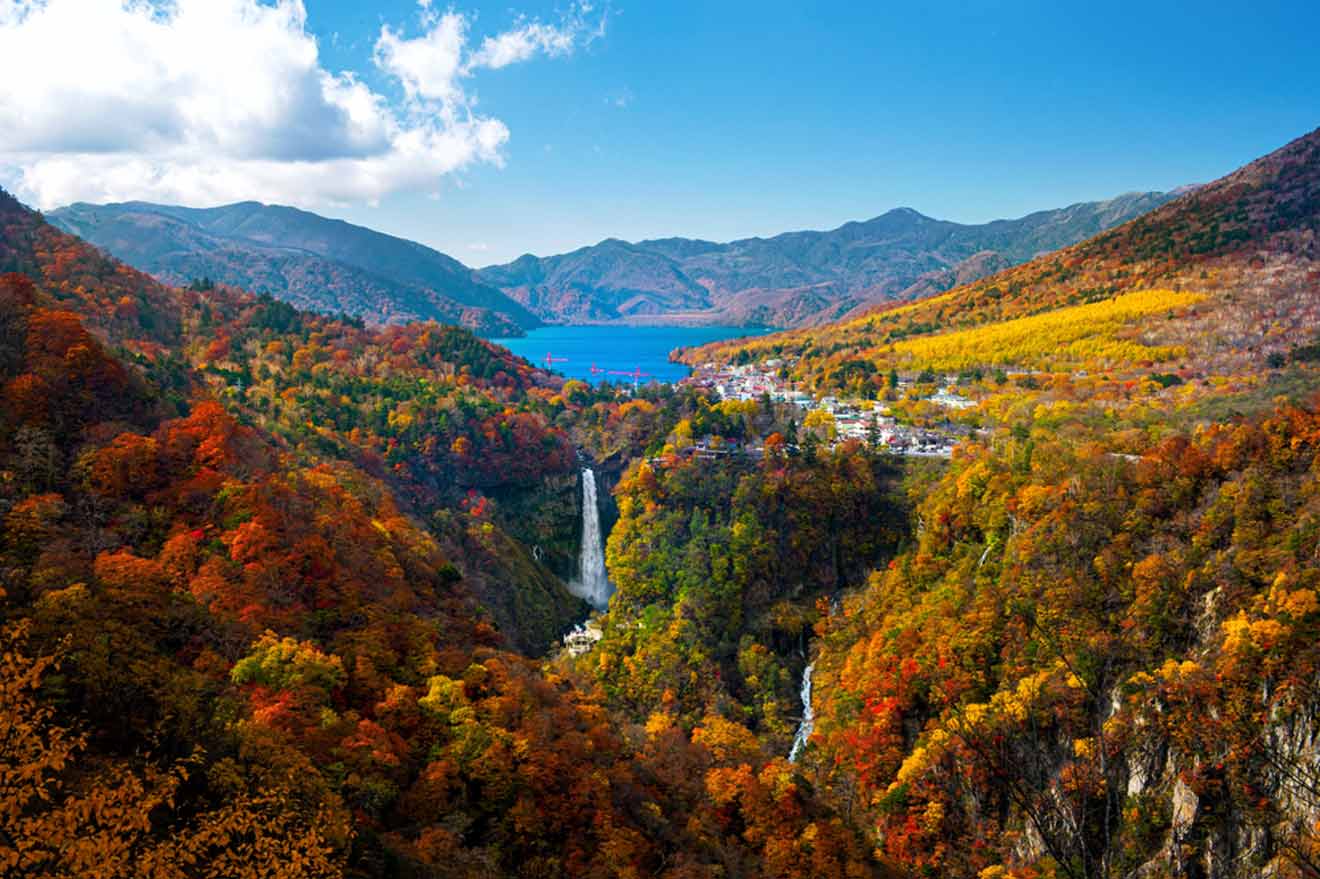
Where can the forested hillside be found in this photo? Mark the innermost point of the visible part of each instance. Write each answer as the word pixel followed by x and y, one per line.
pixel 1094 655
pixel 264 574
pixel 282 593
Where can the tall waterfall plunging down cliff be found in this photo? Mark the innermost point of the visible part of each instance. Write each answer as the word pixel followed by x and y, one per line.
pixel 808 717
pixel 592 583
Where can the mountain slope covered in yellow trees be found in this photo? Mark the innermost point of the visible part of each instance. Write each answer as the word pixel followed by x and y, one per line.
pixel 1248 245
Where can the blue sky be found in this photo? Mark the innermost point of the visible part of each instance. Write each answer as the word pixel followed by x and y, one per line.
pixel 728 119
pixel 756 118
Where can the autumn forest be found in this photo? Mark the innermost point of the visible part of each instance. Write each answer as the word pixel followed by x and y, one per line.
pixel 285 594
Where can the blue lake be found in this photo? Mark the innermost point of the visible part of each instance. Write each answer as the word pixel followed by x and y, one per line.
pixel 617 348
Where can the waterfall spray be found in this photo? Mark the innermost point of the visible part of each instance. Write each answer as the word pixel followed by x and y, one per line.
pixel 592 583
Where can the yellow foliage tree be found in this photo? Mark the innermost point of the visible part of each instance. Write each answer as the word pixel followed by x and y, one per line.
pixel 63 814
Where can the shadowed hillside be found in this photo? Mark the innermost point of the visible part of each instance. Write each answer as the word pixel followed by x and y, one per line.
pixel 298 257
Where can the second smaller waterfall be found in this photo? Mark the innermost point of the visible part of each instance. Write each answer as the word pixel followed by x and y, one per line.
pixel 808 717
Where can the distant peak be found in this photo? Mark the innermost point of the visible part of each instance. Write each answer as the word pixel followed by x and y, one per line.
pixel 903 213
pixel 893 215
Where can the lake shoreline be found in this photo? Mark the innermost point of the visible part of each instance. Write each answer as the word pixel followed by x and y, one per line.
pixel 618 353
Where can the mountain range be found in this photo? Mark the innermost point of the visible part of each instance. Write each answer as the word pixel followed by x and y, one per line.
pixel 794 279
pixel 797 278
pixel 299 257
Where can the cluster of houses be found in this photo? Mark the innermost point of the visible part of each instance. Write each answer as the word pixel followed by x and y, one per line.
pixel 853 420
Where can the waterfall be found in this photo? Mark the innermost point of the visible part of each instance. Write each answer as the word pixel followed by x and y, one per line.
pixel 808 717
pixel 592 583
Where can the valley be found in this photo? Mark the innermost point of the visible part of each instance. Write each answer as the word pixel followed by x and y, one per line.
pixel 686 440
pixel 1016 579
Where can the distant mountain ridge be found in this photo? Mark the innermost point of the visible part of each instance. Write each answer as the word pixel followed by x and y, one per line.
pixel 804 278
pixel 797 278
pixel 307 260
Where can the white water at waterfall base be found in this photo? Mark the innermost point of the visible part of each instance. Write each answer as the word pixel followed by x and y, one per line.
pixel 592 583
pixel 808 717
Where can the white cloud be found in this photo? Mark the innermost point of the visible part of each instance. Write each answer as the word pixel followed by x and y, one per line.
pixel 531 38
pixel 434 65
pixel 207 101
pixel 522 43
pixel 431 67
